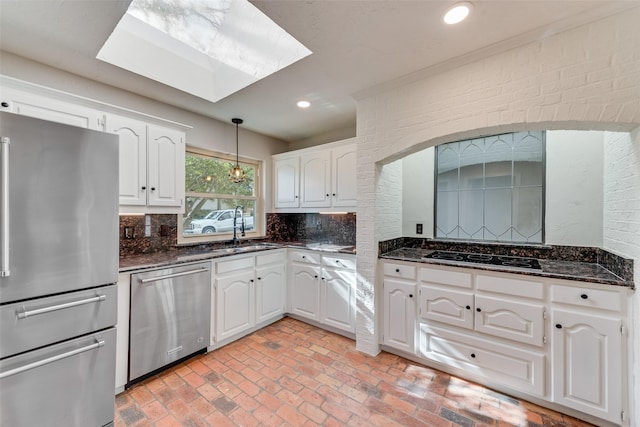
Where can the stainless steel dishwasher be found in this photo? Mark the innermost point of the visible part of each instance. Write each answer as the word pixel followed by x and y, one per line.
pixel 169 318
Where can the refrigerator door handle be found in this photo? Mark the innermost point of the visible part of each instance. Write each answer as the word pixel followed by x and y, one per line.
pixel 27 313
pixel 4 207
pixel 52 359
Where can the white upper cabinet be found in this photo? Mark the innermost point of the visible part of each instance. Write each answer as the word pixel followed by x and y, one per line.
pixel 165 152
pixel 287 177
pixel 316 179
pixel 151 166
pixel 54 110
pixel 343 190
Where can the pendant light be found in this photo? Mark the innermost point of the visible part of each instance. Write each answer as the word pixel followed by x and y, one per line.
pixel 236 174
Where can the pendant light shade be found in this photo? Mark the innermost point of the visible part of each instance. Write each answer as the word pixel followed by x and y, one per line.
pixel 236 174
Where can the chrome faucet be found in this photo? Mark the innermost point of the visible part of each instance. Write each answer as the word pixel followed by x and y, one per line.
pixel 236 240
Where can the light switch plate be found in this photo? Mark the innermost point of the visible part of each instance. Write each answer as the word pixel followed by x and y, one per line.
pixel 418 228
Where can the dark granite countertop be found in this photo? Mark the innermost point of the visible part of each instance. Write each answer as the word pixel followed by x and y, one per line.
pixel 181 255
pixel 568 270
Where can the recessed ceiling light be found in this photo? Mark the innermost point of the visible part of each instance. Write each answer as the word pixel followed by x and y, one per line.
pixel 457 13
pixel 303 104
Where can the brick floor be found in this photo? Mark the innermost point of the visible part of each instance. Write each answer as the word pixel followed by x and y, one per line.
pixel 293 374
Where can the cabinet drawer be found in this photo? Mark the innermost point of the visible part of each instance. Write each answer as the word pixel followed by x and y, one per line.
pixel 234 264
pixel 510 286
pixel 588 298
pixel 339 262
pixel 270 257
pixel 445 277
pixel 399 270
pixel 518 368
pixel 304 257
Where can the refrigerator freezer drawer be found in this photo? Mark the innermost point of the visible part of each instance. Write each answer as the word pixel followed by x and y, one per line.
pixel 170 316
pixel 36 323
pixel 66 384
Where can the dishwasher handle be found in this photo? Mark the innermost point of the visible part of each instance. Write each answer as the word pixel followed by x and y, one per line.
pixel 52 359
pixel 172 275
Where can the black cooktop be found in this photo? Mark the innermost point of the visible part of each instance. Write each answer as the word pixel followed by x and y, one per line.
pixel 508 261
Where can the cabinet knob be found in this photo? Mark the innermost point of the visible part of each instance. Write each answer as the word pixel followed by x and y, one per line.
pixel 468 307
pixel 473 355
pixel 558 325
pixel 296 197
pixel 397 270
pixel 259 278
pixel 315 277
pixel 327 194
pixel 153 188
pixel 144 188
pixel 410 295
pixel 251 280
pixel 304 257
pixel 478 309
pixel 4 104
pixel 334 194
pixel 584 296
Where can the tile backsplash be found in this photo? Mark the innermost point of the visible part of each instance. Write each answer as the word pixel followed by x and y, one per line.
pixel 163 231
pixel 338 229
pixel 289 227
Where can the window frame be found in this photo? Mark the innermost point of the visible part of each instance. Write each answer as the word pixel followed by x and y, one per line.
pixel 503 242
pixel 257 197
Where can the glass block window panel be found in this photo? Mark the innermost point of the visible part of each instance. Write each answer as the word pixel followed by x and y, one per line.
pixel 491 188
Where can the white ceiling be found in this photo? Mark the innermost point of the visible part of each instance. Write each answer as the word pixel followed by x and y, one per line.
pixel 357 45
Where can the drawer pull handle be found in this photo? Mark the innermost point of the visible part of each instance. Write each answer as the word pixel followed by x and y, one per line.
pixel 28 313
pixel 473 355
pixel 468 307
pixel 558 325
pixel 478 309
pixel 174 350
pixel 397 270
pixel 584 296
pixel 50 360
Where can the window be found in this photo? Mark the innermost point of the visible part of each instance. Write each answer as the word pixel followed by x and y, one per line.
pixel 491 188
pixel 212 199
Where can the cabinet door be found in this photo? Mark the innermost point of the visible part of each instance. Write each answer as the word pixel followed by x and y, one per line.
pixel 315 180
pixel 165 167
pixel 344 177
pixel 587 360
pixel 133 159
pixel 234 304
pixel 338 299
pixel 286 176
pixel 44 108
pixel 305 291
pixel 447 306
pixel 270 292
pixel 399 315
pixel 513 320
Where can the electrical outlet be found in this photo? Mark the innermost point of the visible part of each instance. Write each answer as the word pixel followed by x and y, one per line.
pixel 418 228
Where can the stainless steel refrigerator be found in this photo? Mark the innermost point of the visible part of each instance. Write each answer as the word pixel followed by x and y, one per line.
pixel 58 269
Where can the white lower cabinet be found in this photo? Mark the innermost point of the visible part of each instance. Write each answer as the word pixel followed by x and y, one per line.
pixel 399 314
pixel 234 302
pixel 322 288
pixel 249 289
pixel 556 340
pixel 122 331
pixel 588 359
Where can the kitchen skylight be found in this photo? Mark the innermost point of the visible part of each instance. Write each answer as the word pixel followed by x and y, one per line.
pixel 208 48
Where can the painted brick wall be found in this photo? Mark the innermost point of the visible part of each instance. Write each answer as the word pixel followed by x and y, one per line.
pixel 621 231
pixel 587 78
